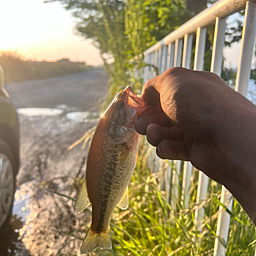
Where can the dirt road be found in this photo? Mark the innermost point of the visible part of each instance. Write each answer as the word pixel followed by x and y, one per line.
pixel 47 222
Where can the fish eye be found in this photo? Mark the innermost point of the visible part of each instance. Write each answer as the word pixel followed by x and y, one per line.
pixel 120 104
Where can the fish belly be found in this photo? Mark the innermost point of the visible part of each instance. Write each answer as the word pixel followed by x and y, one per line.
pixel 115 180
pixel 112 178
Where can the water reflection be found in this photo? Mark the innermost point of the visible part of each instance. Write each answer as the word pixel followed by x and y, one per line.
pixel 87 116
pixel 39 111
pixel 11 244
pixel 20 224
pixel 21 208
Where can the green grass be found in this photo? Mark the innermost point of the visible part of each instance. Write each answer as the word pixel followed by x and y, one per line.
pixel 150 227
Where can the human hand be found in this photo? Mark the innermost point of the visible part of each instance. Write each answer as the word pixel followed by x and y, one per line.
pixel 195 116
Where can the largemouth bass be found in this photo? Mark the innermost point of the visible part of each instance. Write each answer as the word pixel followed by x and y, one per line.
pixel 110 164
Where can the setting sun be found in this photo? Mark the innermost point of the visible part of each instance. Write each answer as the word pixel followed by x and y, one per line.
pixel 41 31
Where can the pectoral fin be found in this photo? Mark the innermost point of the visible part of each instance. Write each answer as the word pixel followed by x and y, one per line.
pixel 82 201
pixel 124 154
pixel 124 202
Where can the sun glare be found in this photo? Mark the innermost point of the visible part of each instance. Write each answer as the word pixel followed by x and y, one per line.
pixel 40 31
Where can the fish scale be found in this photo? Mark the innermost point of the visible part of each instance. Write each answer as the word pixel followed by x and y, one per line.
pixel 110 163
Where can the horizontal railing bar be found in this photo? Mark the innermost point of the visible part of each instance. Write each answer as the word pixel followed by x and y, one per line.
pixel 221 9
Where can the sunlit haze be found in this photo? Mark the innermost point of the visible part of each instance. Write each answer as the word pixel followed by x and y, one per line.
pixel 41 31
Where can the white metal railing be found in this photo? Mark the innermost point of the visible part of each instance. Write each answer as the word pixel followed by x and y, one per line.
pixel 175 50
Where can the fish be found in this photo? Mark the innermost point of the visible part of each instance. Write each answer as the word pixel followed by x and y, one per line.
pixel 110 163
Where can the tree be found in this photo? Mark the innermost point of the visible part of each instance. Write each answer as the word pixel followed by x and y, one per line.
pixel 124 29
pixel 103 21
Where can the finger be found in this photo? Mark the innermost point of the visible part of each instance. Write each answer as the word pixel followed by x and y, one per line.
pixel 144 121
pixel 177 133
pixel 156 133
pixel 173 150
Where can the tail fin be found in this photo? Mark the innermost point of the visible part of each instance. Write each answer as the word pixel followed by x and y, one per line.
pixel 92 241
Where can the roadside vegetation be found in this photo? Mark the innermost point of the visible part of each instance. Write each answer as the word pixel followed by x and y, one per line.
pixel 150 227
pixel 18 69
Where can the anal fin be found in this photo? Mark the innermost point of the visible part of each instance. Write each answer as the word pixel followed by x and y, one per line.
pixel 124 202
pixel 82 201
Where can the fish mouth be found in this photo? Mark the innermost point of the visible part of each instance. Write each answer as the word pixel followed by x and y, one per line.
pixel 134 101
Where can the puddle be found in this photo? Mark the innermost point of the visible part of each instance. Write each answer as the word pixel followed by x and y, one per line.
pixel 66 108
pixel 21 209
pixel 11 244
pixel 21 224
pixel 62 106
pixel 40 111
pixel 87 116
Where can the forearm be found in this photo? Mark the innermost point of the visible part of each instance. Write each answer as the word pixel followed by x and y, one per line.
pixel 235 138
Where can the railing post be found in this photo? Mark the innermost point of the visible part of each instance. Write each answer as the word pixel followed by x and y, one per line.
pixel 161 53
pixel 165 58
pixel 168 176
pixel 175 184
pixel 178 51
pixel 177 163
pixel 226 197
pixel 200 48
pixel 223 223
pixel 170 61
pixel 146 68
pixel 187 166
pixel 156 59
pixel 203 179
pixel 242 80
pixel 246 53
pixel 186 184
pixel 159 59
pixel 218 44
pixel 187 51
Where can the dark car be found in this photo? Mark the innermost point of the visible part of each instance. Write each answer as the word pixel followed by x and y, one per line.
pixel 9 155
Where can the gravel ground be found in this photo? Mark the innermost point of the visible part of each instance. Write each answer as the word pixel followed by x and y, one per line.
pixel 47 223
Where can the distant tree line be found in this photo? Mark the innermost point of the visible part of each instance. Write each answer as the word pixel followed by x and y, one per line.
pixel 17 69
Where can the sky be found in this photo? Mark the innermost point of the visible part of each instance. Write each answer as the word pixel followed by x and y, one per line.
pixel 40 31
